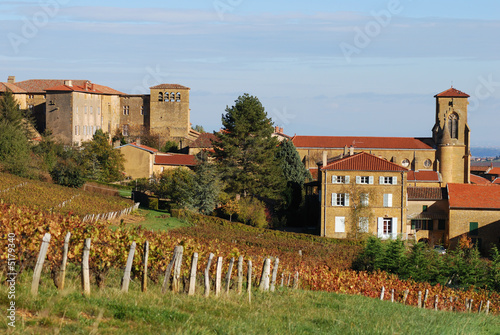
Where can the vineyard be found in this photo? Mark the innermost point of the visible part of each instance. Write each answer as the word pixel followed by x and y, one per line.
pixel 322 264
pixel 58 199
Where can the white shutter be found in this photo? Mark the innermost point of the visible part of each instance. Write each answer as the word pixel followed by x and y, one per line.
pixel 381 180
pixel 334 179
pixel 358 180
pixel 334 199
pixel 370 180
pixel 340 224
pixel 394 180
pixel 346 199
pixel 347 180
pixel 394 228
pixel 363 225
pixel 387 200
pixel 380 227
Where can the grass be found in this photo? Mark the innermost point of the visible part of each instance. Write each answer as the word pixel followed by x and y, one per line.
pixel 108 311
pixel 156 220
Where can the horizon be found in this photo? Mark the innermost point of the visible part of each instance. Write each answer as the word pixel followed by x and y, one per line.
pixel 369 68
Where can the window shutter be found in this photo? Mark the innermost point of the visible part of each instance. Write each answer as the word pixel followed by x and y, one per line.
pixel 412 224
pixel 370 180
pixel 394 180
pixel 394 228
pixel 347 180
pixel 473 228
pixel 340 224
pixel 334 199
pixel 334 179
pixel 358 180
pixel 380 180
pixel 380 227
pixel 387 200
pixel 346 199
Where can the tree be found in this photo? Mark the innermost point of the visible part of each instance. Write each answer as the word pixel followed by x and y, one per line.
pixel 15 148
pixel 100 160
pixel 170 146
pixel 246 151
pixel 198 128
pixel 176 185
pixel 206 188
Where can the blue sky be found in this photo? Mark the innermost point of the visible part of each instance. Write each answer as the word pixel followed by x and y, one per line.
pixel 319 68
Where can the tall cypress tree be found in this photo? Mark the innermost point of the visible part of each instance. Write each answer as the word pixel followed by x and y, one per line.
pixel 246 151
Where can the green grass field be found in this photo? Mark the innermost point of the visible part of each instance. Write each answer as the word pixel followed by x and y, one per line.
pixel 287 311
pixel 156 220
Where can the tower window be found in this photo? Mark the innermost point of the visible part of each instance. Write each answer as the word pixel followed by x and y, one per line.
pixel 178 97
pixel 172 96
pixel 160 96
pixel 453 124
pixel 167 96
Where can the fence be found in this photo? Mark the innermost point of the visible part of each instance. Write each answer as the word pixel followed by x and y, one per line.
pixel 110 215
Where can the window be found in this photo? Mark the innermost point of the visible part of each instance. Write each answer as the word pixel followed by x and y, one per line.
pixel 441 225
pixel 167 96
pixel 160 96
pixel 363 225
pixel 340 224
pixel 364 199
pixel 453 124
pixel 91 110
pixel 84 109
pixel 424 208
pixel 364 179
pixel 340 199
pixel 98 110
pixel 387 200
pixel 427 163
pixel 76 109
pixel 125 130
pixel 178 99
pixel 340 179
pixel 142 110
pixel 388 180
pixel 126 110
pixel 473 228
pixel 84 130
pixel 422 224
pixel 76 130
pixel 172 96
pixel 405 162
pixel 387 228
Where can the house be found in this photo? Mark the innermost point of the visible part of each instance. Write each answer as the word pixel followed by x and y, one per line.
pixel 166 161
pixel 202 144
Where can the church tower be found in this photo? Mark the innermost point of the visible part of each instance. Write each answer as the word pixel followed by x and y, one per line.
pixel 451 135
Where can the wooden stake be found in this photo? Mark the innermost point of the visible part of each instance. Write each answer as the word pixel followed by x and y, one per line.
pixel 392 295
pixel 218 275
pixel 144 284
pixel 207 275
pixel 296 280
pixel 176 283
pixel 62 274
pixel 264 278
pixel 419 299
pixel 487 309
pixel 425 297
pixel 240 274
pixel 451 303
pixel 275 274
pixel 282 279
pixel 192 278
pixel 436 301
pixel 39 264
pixel 405 296
pixel 85 268
pixel 228 274
pixel 168 272
pixel 480 307
pixel 249 281
pixel 128 268
pixel 382 293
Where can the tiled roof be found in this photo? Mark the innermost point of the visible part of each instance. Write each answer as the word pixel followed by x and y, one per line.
pixel 94 88
pixel 175 159
pixel 362 142
pixel 170 87
pixel 423 175
pixel 363 162
pixel 496 181
pixel 203 141
pixel 474 196
pixel 12 87
pixel 479 168
pixel 495 170
pixel 314 173
pixel 425 193
pixel 474 179
pixel 40 85
pixel 140 146
pixel 452 93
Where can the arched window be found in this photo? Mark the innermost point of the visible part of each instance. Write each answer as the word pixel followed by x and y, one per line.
pixel 160 96
pixel 167 96
pixel 178 96
pixel 172 96
pixel 453 124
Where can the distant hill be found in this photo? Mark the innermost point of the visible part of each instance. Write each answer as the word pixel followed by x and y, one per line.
pixel 485 152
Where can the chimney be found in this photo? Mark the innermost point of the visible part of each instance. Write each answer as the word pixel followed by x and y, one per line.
pixel 68 83
pixel 138 141
pixel 11 79
pixel 325 158
pixel 345 151
pixel 351 150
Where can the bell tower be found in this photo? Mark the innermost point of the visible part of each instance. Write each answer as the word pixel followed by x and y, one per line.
pixel 451 135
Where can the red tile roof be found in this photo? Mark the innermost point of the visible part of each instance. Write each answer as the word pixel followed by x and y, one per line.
pixel 363 161
pixel 362 142
pixel 479 168
pixel 170 87
pixel 143 147
pixel 93 88
pixel 40 85
pixel 496 181
pixel 11 87
pixel 474 196
pixel 423 176
pixel 175 159
pixel 474 179
pixel 425 193
pixel 495 170
pixel 452 93
pixel 204 141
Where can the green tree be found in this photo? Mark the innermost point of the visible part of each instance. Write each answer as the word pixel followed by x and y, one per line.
pixel 246 151
pixel 206 187
pixel 15 148
pixel 170 146
pixel 176 185
pixel 198 128
pixel 100 160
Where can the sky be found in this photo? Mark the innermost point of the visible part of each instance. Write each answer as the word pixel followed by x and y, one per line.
pixel 340 68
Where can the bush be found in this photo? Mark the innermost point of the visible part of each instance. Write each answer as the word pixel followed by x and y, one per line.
pixel 252 212
pixel 68 173
pixel 153 203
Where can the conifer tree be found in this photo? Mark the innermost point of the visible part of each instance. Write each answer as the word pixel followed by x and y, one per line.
pixel 246 151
